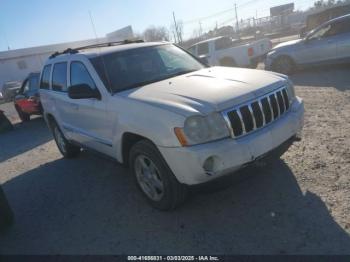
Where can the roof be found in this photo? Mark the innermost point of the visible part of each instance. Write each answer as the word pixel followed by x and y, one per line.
pixel 209 40
pixel 93 52
pixel 98 51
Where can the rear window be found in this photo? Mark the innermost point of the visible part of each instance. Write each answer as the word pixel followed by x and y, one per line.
pixel 45 78
pixel 223 43
pixel 59 77
pixel 203 49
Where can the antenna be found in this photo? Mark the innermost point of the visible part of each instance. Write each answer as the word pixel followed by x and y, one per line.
pixel 93 25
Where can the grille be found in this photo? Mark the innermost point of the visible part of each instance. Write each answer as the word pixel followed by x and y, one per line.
pixel 257 113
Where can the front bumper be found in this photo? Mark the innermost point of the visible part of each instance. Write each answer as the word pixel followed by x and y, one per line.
pixel 230 154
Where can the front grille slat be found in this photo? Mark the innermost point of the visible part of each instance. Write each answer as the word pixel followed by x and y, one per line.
pixel 280 102
pixel 244 130
pixel 286 99
pixel 258 113
pixel 236 123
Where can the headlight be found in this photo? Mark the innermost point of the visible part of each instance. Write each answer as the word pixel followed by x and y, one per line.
pixel 291 91
pixel 201 129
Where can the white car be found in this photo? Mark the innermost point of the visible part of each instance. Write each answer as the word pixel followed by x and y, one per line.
pixel 224 51
pixel 171 119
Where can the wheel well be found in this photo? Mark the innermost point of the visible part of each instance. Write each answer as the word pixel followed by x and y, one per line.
pixel 227 61
pixel 128 140
pixel 50 119
pixel 284 56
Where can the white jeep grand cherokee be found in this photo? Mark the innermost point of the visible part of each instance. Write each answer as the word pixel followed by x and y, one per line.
pixel 174 121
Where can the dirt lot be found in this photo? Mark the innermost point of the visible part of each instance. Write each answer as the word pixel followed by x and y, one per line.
pixel 297 205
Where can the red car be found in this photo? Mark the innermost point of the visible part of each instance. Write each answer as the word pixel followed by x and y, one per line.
pixel 27 100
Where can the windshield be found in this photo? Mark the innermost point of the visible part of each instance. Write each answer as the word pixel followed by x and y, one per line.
pixel 137 67
pixel 318 33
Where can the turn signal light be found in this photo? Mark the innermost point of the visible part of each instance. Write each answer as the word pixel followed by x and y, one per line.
pixel 180 136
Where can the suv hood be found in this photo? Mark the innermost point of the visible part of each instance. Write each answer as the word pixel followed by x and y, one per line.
pixel 207 90
pixel 287 44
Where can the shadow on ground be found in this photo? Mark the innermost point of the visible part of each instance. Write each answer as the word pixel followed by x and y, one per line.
pixel 91 206
pixel 335 76
pixel 24 137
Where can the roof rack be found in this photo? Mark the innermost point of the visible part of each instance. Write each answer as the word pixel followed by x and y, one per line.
pixel 76 50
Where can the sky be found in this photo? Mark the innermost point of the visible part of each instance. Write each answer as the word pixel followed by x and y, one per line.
pixel 27 23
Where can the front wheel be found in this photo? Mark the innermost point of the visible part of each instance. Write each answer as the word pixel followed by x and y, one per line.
pixel 154 178
pixel 67 149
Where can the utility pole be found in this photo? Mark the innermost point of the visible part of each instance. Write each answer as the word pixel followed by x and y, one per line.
pixel 237 25
pixel 200 29
pixel 176 29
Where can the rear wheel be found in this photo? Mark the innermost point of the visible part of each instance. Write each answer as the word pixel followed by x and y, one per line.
pixel 228 61
pixel 284 65
pixel 67 149
pixel 22 115
pixel 154 178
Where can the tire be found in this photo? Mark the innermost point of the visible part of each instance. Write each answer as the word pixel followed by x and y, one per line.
pixel 228 61
pixel 67 149
pixel 7 217
pixel 23 116
pixel 284 65
pixel 154 178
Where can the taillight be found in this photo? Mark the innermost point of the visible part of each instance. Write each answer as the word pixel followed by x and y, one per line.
pixel 250 51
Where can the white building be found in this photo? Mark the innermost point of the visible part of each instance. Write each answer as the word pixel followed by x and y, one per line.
pixel 17 64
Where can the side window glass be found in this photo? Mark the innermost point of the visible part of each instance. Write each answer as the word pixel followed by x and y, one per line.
pixel 203 49
pixel 339 28
pixel 59 77
pixel 34 83
pixel 45 78
pixel 80 75
pixel 24 87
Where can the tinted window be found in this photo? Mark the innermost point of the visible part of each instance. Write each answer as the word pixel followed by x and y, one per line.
pixel 34 82
pixel 340 27
pixel 59 77
pixel 80 75
pixel 45 79
pixel 203 49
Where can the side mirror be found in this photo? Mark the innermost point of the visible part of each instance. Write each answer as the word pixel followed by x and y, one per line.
pixel 204 60
pixel 83 91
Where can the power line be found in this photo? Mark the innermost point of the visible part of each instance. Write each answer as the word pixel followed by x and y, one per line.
pixel 207 17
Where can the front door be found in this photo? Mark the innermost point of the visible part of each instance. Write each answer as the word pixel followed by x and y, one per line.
pixel 88 118
pixel 318 48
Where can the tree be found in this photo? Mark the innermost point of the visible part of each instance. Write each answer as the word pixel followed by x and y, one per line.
pixel 153 33
pixel 177 31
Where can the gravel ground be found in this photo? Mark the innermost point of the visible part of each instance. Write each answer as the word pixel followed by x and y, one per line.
pixel 297 205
